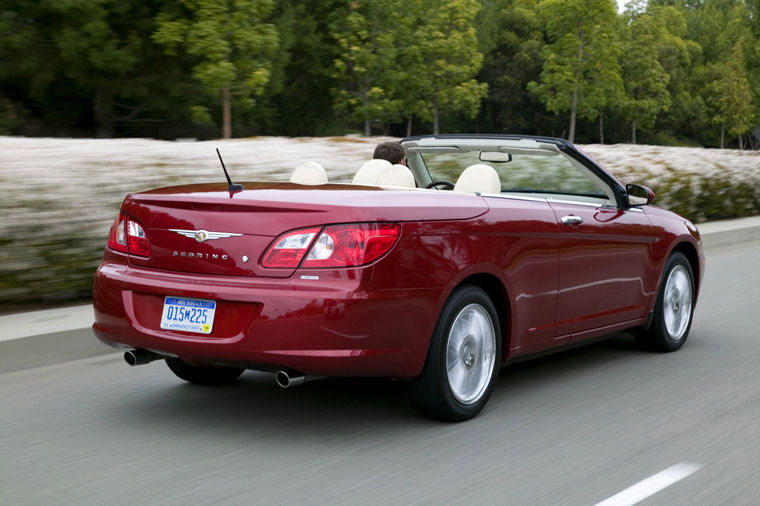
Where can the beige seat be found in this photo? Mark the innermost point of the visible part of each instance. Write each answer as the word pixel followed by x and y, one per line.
pixel 396 175
pixel 478 178
pixel 309 173
pixel 367 174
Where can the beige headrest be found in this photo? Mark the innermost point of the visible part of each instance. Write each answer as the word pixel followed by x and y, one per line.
pixel 310 173
pixel 367 174
pixel 478 178
pixel 396 175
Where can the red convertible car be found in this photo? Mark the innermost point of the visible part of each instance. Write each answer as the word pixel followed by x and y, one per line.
pixel 482 251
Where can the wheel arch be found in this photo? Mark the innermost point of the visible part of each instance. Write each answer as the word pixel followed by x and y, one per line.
pixel 494 287
pixel 692 255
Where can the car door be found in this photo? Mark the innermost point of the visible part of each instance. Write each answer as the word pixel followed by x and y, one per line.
pixel 604 252
pixel 604 267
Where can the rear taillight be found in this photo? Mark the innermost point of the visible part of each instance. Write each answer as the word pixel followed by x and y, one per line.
pixel 348 245
pixel 117 239
pixel 128 236
pixel 351 245
pixel 138 240
pixel 288 249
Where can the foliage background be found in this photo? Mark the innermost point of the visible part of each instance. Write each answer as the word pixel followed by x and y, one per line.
pixel 671 72
pixel 668 72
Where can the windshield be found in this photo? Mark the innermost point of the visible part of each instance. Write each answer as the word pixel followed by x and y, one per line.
pixel 541 172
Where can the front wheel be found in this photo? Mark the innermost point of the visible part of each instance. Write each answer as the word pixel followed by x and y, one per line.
pixel 463 359
pixel 211 375
pixel 674 308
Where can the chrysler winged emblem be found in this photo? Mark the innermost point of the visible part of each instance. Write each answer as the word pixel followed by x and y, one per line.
pixel 203 235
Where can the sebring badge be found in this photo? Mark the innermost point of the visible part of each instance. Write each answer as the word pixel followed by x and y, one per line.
pixel 203 235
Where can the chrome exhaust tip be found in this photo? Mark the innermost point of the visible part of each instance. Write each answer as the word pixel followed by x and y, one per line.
pixel 287 379
pixel 138 356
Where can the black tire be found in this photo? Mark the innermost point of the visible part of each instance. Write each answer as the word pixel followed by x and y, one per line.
pixel 674 308
pixel 443 392
pixel 211 375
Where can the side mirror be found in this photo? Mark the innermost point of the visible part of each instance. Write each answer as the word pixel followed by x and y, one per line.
pixel 637 195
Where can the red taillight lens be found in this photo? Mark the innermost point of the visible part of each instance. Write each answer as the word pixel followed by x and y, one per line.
pixel 288 250
pixel 349 245
pixel 138 239
pixel 117 239
pixel 128 236
pixel 352 245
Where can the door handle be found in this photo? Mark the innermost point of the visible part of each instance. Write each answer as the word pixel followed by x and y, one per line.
pixel 571 220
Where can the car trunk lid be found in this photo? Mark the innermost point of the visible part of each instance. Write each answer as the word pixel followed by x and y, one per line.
pixel 204 229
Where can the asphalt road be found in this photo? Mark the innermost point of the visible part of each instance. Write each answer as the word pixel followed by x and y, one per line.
pixel 575 428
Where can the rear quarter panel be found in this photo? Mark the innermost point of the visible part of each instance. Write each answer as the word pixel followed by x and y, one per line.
pixel 516 244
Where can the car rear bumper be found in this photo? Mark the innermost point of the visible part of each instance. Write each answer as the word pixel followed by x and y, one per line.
pixel 335 326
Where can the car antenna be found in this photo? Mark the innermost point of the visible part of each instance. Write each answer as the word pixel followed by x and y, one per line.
pixel 232 187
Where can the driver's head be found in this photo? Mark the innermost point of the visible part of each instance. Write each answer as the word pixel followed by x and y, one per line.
pixel 391 151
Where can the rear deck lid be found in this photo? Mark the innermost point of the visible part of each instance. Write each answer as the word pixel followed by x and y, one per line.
pixel 203 229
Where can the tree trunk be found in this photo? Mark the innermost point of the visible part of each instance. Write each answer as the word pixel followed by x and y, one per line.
pixel 226 113
pixel 409 126
pixel 574 100
pixel 601 125
pixel 435 117
pixel 365 102
pixel 573 113
pixel 722 133
pixel 633 131
pixel 741 142
pixel 103 109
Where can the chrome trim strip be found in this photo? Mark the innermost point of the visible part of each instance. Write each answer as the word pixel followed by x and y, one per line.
pixel 515 197
pixel 577 203
pixel 549 200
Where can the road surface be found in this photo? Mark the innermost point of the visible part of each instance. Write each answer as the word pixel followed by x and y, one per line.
pixel 606 421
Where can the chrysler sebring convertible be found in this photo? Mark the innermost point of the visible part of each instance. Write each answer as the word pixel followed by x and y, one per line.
pixel 481 251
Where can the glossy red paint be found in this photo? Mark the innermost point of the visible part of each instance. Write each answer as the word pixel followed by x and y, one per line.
pixel 554 283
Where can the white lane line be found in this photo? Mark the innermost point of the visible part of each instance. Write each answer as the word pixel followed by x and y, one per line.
pixel 651 485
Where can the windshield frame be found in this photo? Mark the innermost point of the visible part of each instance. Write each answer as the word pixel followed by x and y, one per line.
pixel 417 147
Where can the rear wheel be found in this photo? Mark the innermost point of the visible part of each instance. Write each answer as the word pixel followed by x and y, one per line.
pixel 211 375
pixel 463 359
pixel 674 308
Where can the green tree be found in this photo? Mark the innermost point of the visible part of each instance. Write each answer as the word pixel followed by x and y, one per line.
pixel 302 70
pixel 718 26
pixel 679 58
pixel 449 60
pixel 23 73
pixel 231 42
pixel 646 82
pixel 510 34
pixel 731 97
pixel 368 62
pixel 410 72
pixel 76 62
pixel 581 73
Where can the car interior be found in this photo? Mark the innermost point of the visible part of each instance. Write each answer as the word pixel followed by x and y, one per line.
pixel 513 168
